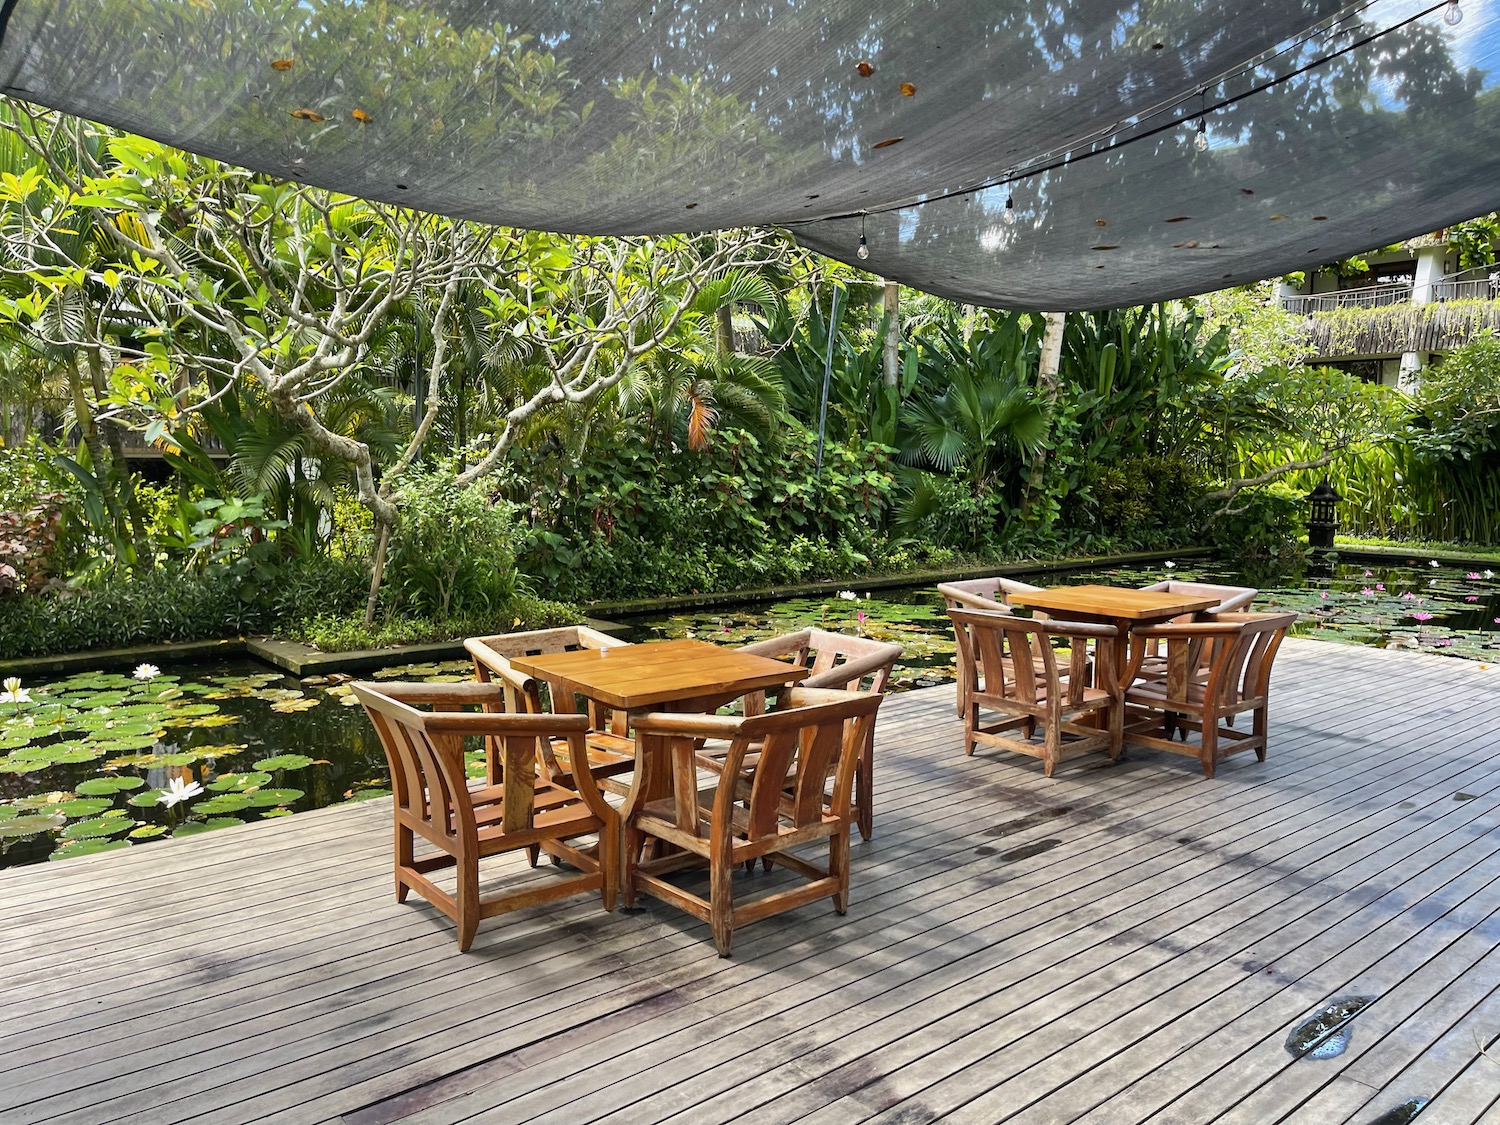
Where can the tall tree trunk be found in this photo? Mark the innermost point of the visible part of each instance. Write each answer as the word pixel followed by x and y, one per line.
pixel 1046 385
pixel 114 434
pixel 377 569
pixel 891 304
pixel 724 327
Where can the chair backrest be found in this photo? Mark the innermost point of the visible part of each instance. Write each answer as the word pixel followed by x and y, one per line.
pixel 835 660
pixel 492 656
pixel 1236 648
pixel 814 735
pixel 425 752
pixel 1014 658
pixel 983 593
pixel 1230 597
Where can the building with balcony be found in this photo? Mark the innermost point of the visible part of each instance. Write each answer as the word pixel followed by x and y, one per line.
pixel 1413 305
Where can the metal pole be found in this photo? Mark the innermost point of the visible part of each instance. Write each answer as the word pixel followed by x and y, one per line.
pixel 833 324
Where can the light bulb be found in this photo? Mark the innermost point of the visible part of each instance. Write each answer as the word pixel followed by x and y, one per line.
pixel 1200 142
pixel 1453 15
pixel 1009 214
pixel 864 249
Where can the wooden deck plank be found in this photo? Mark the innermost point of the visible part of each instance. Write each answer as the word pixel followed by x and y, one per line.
pixel 1016 949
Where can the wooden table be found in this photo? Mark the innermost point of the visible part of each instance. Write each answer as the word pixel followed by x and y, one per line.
pixel 1120 606
pixel 683 675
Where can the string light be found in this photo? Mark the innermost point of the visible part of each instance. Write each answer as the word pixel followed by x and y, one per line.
pixel 1200 142
pixel 1009 214
pixel 1453 15
pixel 864 245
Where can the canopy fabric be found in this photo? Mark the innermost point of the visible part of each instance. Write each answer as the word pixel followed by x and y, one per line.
pixel 1331 128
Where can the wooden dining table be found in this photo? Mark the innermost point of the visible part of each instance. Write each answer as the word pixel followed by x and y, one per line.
pixel 681 675
pixel 1121 606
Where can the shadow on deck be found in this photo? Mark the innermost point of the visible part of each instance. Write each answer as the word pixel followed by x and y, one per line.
pixel 1117 945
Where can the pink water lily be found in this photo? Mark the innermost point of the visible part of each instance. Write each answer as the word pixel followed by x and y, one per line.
pixel 1408 596
pixel 1323 596
pixel 1472 576
pixel 1420 616
pixel 1368 573
pixel 1472 598
pixel 1367 593
pixel 1380 585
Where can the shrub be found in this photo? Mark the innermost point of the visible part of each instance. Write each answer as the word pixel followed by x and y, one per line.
pixel 348 632
pixel 454 553
pixel 1142 499
pixel 1263 523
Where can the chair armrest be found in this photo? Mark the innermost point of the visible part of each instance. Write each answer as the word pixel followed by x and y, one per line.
pixel 1054 627
pixel 778 646
pixel 696 726
pixel 437 694
pixel 497 665
pixel 469 722
pixel 1214 627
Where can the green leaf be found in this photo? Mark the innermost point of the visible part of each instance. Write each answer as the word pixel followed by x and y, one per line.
pixel 17 826
pixel 98 786
pixel 89 829
pixel 194 827
pixel 284 762
pixel 76 848
pixel 264 798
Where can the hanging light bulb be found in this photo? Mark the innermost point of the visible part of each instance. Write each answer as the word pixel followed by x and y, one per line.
pixel 1200 142
pixel 864 248
pixel 1453 15
pixel 1008 216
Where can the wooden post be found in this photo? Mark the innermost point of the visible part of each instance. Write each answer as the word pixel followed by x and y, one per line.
pixel 892 307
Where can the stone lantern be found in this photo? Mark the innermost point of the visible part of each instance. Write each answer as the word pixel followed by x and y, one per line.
pixel 1322 518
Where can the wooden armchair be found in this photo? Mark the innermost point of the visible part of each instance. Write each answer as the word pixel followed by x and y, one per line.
pixel 843 662
pixel 611 751
pixel 1001 654
pixel 813 737
pixel 525 810
pixel 1231 598
pixel 1237 650
pixel 991 594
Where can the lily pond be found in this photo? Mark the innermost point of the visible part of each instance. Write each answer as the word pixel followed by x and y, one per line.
pixel 107 760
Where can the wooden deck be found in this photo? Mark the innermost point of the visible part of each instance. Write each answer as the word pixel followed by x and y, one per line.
pixel 1118 945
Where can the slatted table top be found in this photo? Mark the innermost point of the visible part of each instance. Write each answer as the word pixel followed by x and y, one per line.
pixel 1112 603
pixel 633 677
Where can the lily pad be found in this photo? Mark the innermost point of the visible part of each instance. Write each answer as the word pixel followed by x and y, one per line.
pixel 84 806
pixel 75 848
pixel 56 753
pixel 266 798
pixel 28 825
pixel 366 795
pixel 194 827
pixel 278 811
pixel 145 800
pixel 98 786
pixel 284 762
pixel 288 706
pixel 100 826
pixel 230 782
pixel 224 803
pixel 148 832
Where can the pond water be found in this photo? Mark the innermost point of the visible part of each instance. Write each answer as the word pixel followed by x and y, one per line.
pixel 100 761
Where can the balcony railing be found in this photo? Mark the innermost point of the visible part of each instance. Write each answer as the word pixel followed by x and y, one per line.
pixel 1472 289
pixel 1371 297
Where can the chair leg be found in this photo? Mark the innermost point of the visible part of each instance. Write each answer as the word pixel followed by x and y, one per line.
pixel 1208 751
pixel 634 840
pixel 838 867
pixel 721 906
pixel 405 857
pixel 1259 730
pixel 466 895
pixel 533 853
pixel 609 863
pixel 1116 719
pixel 1051 748
pixel 864 789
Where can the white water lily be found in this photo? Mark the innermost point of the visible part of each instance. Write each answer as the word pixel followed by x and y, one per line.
pixel 1433 562
pixel 14 692
pixel 1489 574
pixel 849 595
pixel 1170 565
pixel 147 671
pixel 178 791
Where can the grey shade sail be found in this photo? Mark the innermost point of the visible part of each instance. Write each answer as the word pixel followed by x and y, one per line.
pixel 917 124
